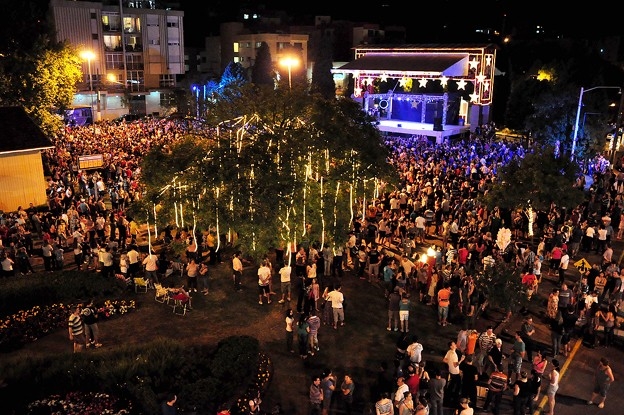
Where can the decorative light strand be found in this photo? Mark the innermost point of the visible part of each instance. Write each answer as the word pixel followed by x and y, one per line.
pixel 322 218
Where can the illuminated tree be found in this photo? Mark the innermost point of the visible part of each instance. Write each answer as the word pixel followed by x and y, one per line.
pixel 278 167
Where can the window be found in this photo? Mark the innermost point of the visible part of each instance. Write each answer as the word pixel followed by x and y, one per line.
pixel 172 24
pixel 236 47
pixel 112 42
pixel 111 22
pixel 167 80
pixel 114 61
pixel 132 24
pixel 134 61
pixel 167 100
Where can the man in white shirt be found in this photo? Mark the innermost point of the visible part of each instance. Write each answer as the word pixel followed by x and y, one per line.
pixel 284 273
pixel 337 299
pixel 237 268
pixel 151 267
pixel 133 262
pixel 264 278
pixel 563 266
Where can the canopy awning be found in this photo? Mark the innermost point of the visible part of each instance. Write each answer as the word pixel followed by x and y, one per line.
pixel 409 65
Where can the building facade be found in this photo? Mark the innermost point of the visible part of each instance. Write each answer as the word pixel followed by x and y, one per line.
pixel 133 52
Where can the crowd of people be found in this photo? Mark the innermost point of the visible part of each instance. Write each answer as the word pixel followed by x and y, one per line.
pixel 437 199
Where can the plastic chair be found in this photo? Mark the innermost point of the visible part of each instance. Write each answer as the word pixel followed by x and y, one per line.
pixel 181 304
pixel 162 294
pixel 141 285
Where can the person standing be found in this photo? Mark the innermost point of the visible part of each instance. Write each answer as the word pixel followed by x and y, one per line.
pixel 452 361
pixel 328 385
pixel 284 273
pixel 92 331
pixel 528 330
pixel 133 261
pixel 374 260
pixel 46 252
pixel 328 259
pixel 23 261
pixel 444 298
pixel 553 386
pixel 497 384
pixel 347 387
pixel 564 262
pixel 168 406
pixel 485 341
pixel 303 331
pixel 394 298
pixel 603 378
pixel 203 278
pixel 515 359
pixel 536 385
pixel 192 272
pixel 437 386
pixel 521 394
pixel 264 279
pixel 337 299
pixel 314 323
pixel 399 394
pixel 76 330
pixel 405 305
pixel 237 271
pixel 384 405
pixel 150 262
pixel 290 322
pixel 470 377
pixel 316 396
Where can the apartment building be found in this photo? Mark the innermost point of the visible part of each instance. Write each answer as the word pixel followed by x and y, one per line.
pixel 132 50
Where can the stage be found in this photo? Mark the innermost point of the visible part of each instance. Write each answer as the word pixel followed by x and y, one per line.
pixel 417 128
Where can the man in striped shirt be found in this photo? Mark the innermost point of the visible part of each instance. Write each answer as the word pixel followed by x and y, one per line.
pixel 486 342
pixel 76 330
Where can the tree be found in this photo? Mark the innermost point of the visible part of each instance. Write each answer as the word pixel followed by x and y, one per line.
pixel 36 73
pixel 262 72
pixel 233 75
pixel 538 177
pixel 284 166
pixel 502 286
pixel 42 81
pixel 322 78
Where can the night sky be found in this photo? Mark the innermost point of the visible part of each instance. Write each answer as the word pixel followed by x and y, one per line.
pixel 437 21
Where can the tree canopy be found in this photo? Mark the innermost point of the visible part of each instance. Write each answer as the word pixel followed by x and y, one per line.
pixel 539 178
pixel 278 167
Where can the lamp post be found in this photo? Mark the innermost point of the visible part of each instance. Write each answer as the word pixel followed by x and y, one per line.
pixel 578 113
pixel 89 55
pixel 289 63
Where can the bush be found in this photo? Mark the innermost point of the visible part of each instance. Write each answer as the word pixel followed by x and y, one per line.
pixel 141 376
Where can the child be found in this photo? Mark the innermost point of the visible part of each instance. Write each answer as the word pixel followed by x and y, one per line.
pixel 315 293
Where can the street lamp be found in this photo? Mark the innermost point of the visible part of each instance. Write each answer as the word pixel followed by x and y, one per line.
pixel 88 55
pixel 289 62
pixel 578 112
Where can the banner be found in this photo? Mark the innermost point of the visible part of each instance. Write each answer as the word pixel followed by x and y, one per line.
pixel 93 161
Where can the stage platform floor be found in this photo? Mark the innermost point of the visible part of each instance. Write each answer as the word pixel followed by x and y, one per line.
pixel 417 128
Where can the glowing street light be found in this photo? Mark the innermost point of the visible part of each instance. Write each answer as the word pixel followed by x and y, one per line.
pixel 88 56
pixel 289 62
pixel 578 113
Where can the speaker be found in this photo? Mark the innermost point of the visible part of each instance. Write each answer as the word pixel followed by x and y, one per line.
pixel 437 124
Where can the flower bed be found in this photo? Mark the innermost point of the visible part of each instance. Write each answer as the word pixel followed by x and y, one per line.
pixel 80 403
pixel 29 325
